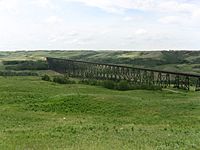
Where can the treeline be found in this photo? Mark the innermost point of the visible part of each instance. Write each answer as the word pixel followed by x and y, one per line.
pixel 14 73
pixel 109 84
pixel 25 65
pixel 58 79
pixel 120 85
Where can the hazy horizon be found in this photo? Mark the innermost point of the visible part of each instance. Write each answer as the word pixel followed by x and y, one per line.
pixel 150 50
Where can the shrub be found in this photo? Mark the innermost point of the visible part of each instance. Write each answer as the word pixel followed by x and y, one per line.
pixel 90 82
pixel 83 82
pixel 13 62
pixel 13 73
pixel 62 80
pixel 26 65
pixel 109 84
pixel 46 78
pixel 93 82
pixel 123 85
pixel 145 87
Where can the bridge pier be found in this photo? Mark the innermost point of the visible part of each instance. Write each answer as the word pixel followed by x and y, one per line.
pixel 197 85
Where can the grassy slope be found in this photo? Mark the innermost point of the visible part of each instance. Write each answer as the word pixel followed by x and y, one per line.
pixel 39 115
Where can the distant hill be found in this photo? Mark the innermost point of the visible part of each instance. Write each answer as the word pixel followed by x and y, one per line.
pixel 183 61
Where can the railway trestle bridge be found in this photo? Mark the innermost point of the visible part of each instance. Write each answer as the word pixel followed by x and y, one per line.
pixel 137 76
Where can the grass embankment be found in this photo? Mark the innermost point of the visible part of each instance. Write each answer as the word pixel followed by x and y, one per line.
pixel 35 114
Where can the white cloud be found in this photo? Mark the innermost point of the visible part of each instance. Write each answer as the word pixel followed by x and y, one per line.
pixel 170 11
pixel 43 3
pixel 171 20
pixel 196 15
pixel 9 5
pixel 54 20
pixel 140 32
pixel 159 23
pixel 116 6
pixel 128 18
pixel 174 6
pixel 170 6
pixel 137 35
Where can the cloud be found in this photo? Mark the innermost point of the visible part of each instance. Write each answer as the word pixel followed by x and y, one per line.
pixel 140 32
pixel 43 3
pixel 10 6
pixel 169 12
pixel 170 6
pixel 126 23
pixel 196 16
pixel 120 5
pixel 128 18
pixel 171 20
pixel 54 20
pixel 137 35
pixel 176 6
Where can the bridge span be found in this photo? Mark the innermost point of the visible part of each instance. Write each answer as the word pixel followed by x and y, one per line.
pixel 138 76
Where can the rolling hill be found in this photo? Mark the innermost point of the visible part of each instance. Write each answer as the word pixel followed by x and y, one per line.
pixel 182 61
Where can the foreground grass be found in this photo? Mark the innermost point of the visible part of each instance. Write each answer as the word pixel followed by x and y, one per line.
pixel 35 114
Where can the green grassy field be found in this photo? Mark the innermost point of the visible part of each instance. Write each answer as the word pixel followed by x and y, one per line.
pixel 35 114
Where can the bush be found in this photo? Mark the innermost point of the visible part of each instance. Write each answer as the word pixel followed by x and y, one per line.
pixel 145 87
pixel 123 85
pixel 62 80
pixel 13 62
pixel 93 82
pixel 46 78
pixel 83 82
pixel 26 65
pixel 13 73
pixel 90 82
pixel 109 84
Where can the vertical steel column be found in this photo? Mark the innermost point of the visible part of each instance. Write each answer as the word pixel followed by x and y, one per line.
pixel 159 79
pixel 151 78
pixel 177 81
pixel 168 81
pixel 197 84
pixel 187 83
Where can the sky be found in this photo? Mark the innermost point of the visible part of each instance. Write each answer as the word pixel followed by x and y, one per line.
pixel 99 25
